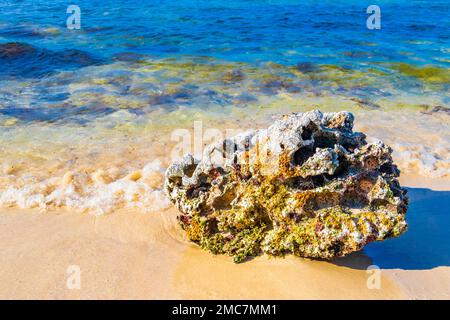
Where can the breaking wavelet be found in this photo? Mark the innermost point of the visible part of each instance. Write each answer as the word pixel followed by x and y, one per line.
pixel 84 114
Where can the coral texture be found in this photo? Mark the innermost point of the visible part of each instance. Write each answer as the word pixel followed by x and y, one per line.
pixel 307 185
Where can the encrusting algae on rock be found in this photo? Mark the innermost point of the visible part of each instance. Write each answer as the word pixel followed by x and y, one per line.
pixel 307 185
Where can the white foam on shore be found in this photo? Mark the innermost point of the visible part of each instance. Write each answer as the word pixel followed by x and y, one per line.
pixel 421 142
pixel 422 160
pixel 93 193
pixel 93 168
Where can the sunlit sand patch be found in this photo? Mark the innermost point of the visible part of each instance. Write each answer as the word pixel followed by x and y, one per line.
pixel 263 278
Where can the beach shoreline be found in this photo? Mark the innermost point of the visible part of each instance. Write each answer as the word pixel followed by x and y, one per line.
pixel 92 114
pixel 132 255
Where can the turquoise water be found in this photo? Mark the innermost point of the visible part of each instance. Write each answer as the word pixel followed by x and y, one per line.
pixel 318 47
pixel 424 245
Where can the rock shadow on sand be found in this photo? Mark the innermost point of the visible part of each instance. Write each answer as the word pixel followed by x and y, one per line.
pixel 425 245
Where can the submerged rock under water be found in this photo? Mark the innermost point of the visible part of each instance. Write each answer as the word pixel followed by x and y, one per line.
pixel 22 60
pixel 307 185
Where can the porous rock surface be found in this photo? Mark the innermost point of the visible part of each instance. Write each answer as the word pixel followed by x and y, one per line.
pixel 307 185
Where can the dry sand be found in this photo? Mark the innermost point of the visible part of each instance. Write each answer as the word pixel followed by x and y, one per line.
pixel 126 255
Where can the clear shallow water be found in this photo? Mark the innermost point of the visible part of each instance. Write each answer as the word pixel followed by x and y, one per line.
pixel 277 46
pixel 72 100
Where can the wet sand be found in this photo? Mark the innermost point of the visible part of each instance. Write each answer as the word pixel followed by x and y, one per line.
pixel 127 254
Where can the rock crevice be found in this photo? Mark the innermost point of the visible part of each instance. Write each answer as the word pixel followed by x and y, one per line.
pixel 307 185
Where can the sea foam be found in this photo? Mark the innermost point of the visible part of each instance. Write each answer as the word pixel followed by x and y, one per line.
pixel 91 193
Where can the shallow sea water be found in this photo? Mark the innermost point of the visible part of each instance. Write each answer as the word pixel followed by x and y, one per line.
pixel 87 117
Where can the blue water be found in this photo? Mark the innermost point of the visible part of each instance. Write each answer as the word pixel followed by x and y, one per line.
pixel 279 31
pixel 424 245
pixel 306 35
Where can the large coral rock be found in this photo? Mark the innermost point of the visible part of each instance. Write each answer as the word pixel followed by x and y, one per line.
pixel 307 185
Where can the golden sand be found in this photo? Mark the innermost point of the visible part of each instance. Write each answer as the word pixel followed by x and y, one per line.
pixel 130 255
pixel 135 253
